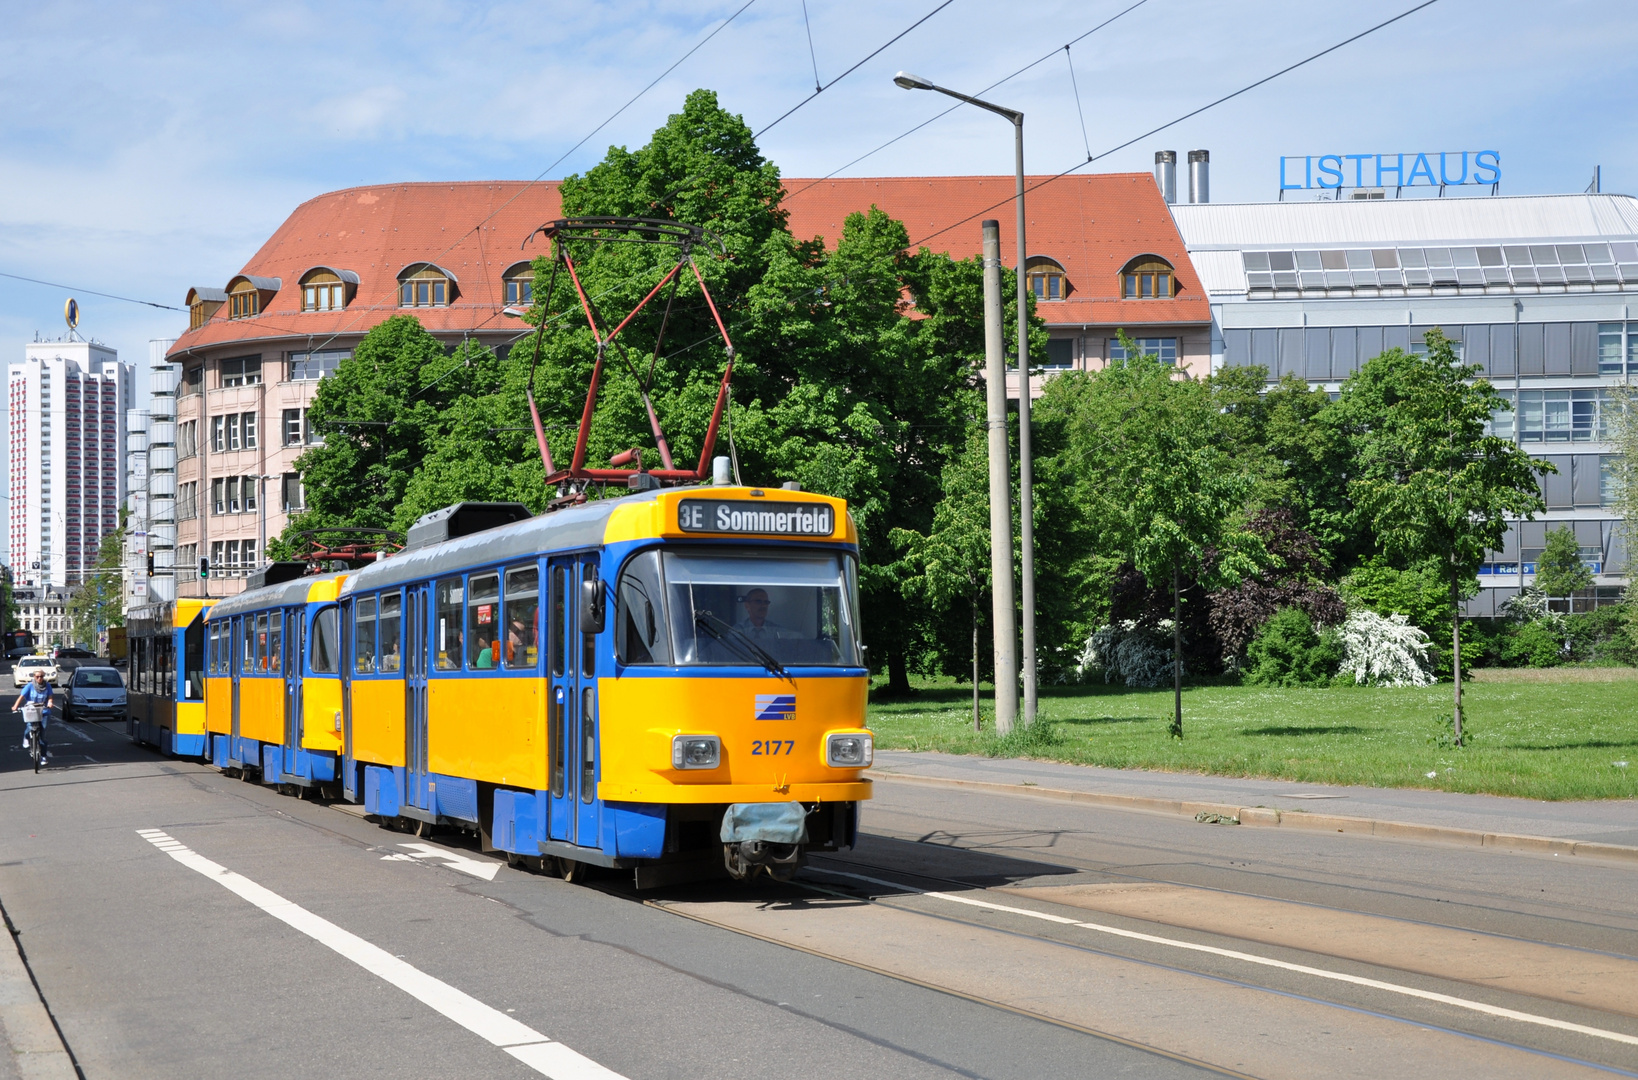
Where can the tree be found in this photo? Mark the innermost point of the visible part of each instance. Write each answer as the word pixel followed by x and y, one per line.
pixel 1559 569
pixel 1156 479
pixel 1428 480
pixel 95 603
pixel 1292 579
pixel 1623 438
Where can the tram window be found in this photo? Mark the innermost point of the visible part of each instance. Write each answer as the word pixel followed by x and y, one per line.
pixel 483 639
pixel 247 645
pixel 213 641
pixel 639 628
pixel 261 643
pixel 391 630
pixel 588 642
pixel 522 617
pixel 326 638
pixel 557 645
pixel 275 644
pixel 364 635
pixel 451 596
pixel 744 610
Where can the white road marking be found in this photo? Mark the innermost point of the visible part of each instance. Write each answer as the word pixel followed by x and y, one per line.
pixel 480 868
pixel 529 1046
pixel 1265 961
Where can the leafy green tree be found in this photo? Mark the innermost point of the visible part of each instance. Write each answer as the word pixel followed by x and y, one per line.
pixel 1428 480
pixel 96 603
pixel 1156 478
pixel 381 414
pixel 1623 438
pixel 1559 569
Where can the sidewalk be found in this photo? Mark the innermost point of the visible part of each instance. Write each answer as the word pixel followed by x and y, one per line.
pixel 1596 829
pixel 29 1045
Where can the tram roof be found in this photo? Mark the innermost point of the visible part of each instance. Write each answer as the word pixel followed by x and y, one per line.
pixel 284 593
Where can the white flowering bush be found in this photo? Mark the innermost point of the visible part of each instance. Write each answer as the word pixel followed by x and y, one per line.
pixel 1139 656
pixel 1384 651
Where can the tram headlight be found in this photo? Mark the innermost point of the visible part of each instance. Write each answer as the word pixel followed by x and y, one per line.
pixel 849 750
pixel 696 752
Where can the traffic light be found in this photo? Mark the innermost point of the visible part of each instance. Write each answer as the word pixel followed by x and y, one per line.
pixel 204 568
pixel 150 564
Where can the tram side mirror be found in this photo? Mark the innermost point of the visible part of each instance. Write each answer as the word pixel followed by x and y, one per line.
pixel 591 607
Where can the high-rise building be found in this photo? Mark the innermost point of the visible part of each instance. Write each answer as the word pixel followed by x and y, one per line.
pixel 67 403
pixel 150 479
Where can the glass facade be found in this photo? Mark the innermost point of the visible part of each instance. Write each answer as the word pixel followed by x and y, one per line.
pixel 1508 267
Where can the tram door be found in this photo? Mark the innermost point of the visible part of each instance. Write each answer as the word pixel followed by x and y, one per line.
pixel 350 789
pixel 416 599
pixel 295 653
pixel 571 715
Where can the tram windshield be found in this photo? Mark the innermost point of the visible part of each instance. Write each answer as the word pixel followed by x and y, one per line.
pixel 744 610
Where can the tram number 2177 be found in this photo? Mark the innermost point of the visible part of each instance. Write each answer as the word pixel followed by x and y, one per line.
pixel 772 747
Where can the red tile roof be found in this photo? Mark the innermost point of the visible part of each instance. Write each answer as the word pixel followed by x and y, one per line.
pixel 1092 225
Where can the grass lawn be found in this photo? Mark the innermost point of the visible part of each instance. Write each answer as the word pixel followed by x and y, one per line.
pixel 1554 734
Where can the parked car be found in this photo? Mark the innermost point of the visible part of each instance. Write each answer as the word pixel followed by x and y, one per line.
pixel 94 693
pixel 25 668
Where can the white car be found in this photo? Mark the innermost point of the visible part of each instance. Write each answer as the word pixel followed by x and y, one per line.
pixel 24 669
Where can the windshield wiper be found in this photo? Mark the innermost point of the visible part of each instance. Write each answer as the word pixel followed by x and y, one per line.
pixel 714 626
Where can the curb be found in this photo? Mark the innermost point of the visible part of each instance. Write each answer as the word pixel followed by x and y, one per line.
pixel 1268 817
pixel 27 1033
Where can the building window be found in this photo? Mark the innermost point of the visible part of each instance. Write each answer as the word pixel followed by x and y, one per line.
pixel 1046 278
pixel 520 285
pixel 309 366
pixel 187 439
pixel 187 501
pixel 1163 349
pixel 323 290
pixel 218 501
pixel 293 496
pixel 252 489
pixel 292 427
pixel 247 424
pixel 218 436
pixel 242 371
pixel 424 285
pixel 193 379
pixel 1060 354
pixel 244 302
pixel 1147 278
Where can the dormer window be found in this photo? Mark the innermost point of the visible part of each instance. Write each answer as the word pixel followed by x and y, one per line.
pixel 1046 278
pixel 248 295
pixel 324 289
pixel 520 285
pixel 202 304
pixel 425 285
pixel 1147 278
pixel 243 302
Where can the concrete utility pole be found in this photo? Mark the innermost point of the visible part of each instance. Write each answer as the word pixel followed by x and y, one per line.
pixel 995 379
pixel 1026 479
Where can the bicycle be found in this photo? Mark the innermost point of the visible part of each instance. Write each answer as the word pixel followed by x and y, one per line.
pixel 34 733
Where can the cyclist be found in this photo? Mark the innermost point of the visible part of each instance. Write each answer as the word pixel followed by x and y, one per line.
pixel 33 703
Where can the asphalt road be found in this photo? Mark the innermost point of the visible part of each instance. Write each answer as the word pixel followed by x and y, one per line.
pixel 181 923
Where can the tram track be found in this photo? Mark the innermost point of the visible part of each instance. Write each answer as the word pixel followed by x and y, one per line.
pixel 1573 1036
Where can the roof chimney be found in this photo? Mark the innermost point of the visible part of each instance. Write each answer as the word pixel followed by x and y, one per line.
pixel 1166 174
pixel 1199 176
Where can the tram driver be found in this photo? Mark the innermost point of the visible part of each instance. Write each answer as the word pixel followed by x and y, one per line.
pixel 756 624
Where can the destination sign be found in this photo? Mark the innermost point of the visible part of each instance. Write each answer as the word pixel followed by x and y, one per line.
pixel 738 516
pixel 1446 168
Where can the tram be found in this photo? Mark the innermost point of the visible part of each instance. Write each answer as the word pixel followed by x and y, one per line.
pixel 663 682
pixel 166 676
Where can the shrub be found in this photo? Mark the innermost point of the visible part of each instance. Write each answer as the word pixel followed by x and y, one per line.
pixel 1139 656
pixel 1380 651
pixel 1289 651
pixel 1535 644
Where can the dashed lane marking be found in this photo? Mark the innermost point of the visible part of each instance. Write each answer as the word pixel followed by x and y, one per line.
pixel 1251 958
pixel 544 1055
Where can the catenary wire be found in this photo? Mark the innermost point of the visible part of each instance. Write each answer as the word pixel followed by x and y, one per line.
pixel 808 26
pixel 93 292
pixel 1180 119
pixel 953 108
pixel 1078 110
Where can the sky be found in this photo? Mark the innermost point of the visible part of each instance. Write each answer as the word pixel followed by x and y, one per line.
pixel 149 147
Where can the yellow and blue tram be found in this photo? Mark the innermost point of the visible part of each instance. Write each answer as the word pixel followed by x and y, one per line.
pixel 670 677
pixel 166 693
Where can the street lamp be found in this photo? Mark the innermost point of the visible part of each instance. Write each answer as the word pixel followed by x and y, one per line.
pixel 1026 510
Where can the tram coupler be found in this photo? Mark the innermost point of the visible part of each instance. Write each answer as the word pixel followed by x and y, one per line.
pixel 764 836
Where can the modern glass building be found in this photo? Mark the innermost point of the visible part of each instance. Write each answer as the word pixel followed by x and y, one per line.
pixel 1538 291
